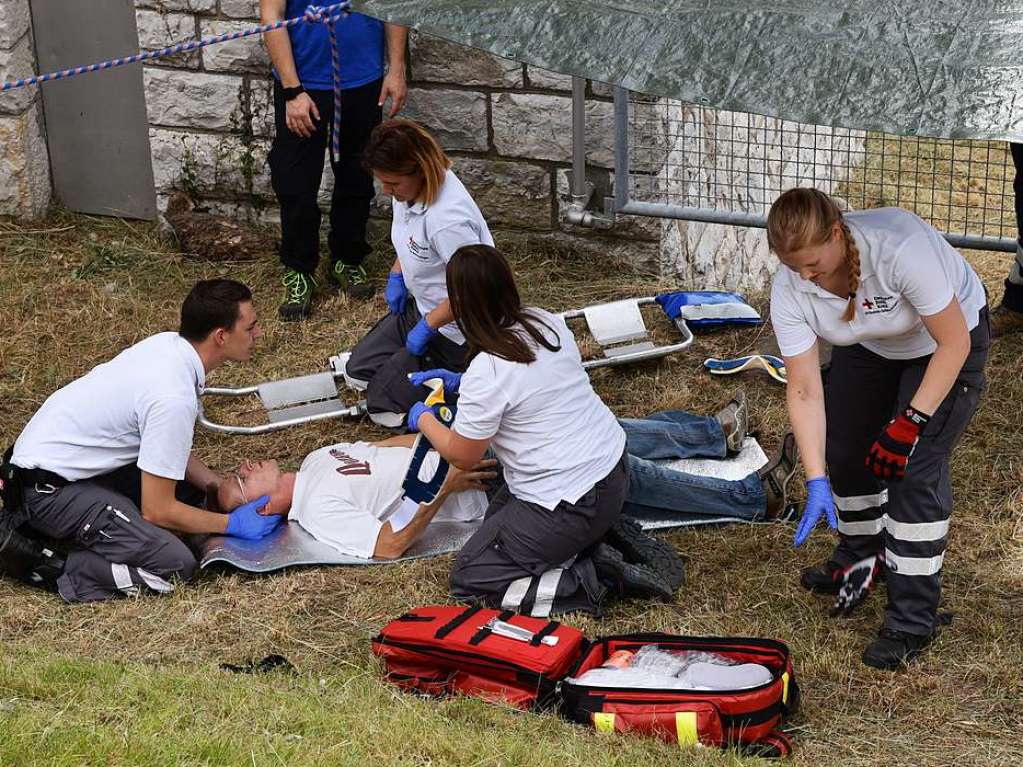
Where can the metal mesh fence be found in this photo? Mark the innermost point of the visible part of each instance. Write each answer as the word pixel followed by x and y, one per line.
pixel 684 158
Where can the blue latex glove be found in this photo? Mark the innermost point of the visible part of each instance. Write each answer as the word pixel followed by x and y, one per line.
pixel 246 521
pixel 419 337
pixel 396 293
pixel 819 501
pixel 415 412
pixel 451 380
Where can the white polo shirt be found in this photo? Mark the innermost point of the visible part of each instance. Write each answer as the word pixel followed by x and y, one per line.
pixel 138 408
pixel 344 494
pixel 907 271
pixel 426 236
pixel 550 431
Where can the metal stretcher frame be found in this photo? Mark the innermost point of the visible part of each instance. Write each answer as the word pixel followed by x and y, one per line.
pixel 618 327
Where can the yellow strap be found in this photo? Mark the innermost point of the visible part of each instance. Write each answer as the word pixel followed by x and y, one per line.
pixel 685 726
pixel 604 722
pixel 437 395
pixel 785 688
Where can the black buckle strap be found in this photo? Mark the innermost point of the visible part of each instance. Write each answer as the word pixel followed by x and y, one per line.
pixel 11 473
pixel 547 630
pixel 485 631
pixel 457 621
pixel 40 477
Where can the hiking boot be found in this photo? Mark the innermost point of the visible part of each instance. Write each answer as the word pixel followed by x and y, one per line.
pixel 299 296
pixel 29 561
pixel 734 420
pixel 776 475
pixel 1005 321
pixel 825 578
pixel 628 537
pixel 352 279
pixel 629 580
pixel 894 649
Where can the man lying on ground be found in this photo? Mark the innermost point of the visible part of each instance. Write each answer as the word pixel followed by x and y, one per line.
pixel 345 495
pixel 349 495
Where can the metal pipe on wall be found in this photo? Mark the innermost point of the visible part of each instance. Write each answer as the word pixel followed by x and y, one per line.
pixel 579 191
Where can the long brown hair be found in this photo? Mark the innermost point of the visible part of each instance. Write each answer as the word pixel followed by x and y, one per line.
pixel 406 148
pixel 805 217
pixel 487 307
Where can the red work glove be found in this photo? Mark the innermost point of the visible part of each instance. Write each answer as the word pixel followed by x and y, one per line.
pixel 890 452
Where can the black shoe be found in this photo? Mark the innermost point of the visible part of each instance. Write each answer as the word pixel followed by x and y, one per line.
pixel 1005 321
pixel 776 475
pixel 628 536
pixel 822 579
pixel 29 561
pixel 629 580
pixel 298 298
pixel 894 649
pixel 352 279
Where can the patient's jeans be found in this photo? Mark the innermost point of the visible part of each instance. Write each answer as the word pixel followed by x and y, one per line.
pixel 676 434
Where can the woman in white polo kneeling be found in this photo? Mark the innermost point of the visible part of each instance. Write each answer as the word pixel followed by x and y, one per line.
pixel 526 395
pixel 432 216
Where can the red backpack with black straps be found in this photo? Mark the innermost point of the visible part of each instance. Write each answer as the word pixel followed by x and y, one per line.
pixel 443 650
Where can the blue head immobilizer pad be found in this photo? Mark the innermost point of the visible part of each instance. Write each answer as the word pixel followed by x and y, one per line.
pixel 708 308
pixel 414 488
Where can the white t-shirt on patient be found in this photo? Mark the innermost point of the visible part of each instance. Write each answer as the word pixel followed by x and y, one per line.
pixel 425 237
pixel 552 434
pixel 907 270
pixel 344 494
pixel 138 408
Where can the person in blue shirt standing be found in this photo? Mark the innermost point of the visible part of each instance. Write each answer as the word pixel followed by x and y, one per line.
pixel 303 114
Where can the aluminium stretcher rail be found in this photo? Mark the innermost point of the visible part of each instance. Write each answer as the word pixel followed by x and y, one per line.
pixel 617 326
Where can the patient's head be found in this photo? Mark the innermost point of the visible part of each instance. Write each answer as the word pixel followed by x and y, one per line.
pixel 253 479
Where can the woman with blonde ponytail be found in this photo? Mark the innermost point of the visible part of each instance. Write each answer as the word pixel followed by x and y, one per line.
pixel 908 319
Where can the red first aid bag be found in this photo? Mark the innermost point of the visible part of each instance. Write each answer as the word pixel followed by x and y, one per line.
pixel 445 649
pixel 744 717
pixel 440 650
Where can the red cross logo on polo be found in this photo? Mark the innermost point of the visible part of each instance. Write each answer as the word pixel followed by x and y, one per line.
pixel 415 248
pixel 868 304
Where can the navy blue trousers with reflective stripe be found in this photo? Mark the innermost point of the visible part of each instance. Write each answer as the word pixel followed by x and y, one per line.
pixel 533 560
pixel 907 520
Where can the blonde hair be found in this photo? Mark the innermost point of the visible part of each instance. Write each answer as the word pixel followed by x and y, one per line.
pixel 804 217
pixel 406 148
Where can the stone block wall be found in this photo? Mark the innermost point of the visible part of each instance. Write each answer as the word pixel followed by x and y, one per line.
pixel 25 186
pixel 506 125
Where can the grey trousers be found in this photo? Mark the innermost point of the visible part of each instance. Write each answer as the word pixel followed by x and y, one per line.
pixel 906 521
pixel 113 550
pixel 381 363
pixel 533 560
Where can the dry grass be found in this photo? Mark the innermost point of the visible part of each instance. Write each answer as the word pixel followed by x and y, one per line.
pixel 75 290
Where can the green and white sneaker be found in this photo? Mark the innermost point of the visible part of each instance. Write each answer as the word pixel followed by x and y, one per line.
pixel 298 297
pixel 352 279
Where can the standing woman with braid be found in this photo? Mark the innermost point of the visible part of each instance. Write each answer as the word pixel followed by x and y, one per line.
pixel 908 320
